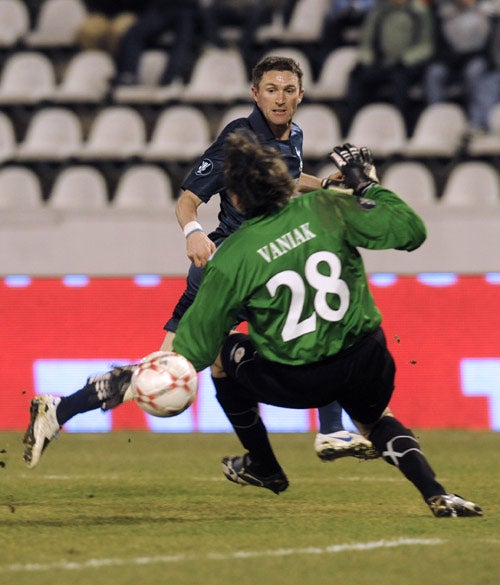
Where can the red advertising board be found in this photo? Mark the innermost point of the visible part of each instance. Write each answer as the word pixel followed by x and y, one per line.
pixel 444 335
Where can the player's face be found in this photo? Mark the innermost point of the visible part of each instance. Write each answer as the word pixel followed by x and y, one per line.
pixel 277 96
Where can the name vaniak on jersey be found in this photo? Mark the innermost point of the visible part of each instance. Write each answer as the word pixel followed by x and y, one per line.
pixel 286 242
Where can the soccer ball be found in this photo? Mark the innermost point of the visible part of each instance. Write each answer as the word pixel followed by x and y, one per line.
pixel 164 384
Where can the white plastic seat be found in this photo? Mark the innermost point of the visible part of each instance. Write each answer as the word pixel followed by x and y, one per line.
pixel 219 76
pixel 305 24
pixel 152 64
pixel 334 74
pixel 118 132
pixel 412 181
pixel 14 22
pixel 86 79
pixel 19 189
pixel 27 78
pixel 380 127
pixel 487 144
pixel 439 131
pixel 301 58
pixel 233 113
pixel 52 134
pixel 181 133
pixel 472 184
pixel 79 188
pixel 56 24
pixel 8 143
pixel 321 129
pixel 143 188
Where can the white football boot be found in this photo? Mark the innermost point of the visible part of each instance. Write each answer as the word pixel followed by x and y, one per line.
pixel 343 444
pixel 43 427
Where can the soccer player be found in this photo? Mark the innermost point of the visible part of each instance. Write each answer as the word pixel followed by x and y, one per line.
pixel 277 92
pixel 315 332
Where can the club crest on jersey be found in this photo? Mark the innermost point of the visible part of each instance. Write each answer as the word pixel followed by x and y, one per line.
pixel 366 203
pixel 237 354
pixel 205 168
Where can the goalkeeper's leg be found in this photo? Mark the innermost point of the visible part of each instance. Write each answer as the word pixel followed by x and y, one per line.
pixel 399 447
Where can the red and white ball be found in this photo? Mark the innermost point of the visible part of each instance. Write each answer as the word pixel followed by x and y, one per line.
pixel 164 384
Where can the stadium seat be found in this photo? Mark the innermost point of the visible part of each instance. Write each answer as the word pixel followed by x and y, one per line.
pixel 144 188
pixel 151 67
pixel 56 24
pixel 181 133
pixel 86 79
pixel 19 189
pixel 380 127
pixel 8 143
pixel 487 144
pixel 439 132
pixel 219 76
pixel 321 129
pixel 117 132
pixel 233 113
pixel 27 78
pixel 472 184
pixel 14 22
pixel 413 181
pixel 334 74
pixel 208 214
pixel 79 188
pixel 305 24
pixel 53 134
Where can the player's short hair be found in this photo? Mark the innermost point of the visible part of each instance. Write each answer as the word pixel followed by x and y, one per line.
pixel 257 174
pixel 276 63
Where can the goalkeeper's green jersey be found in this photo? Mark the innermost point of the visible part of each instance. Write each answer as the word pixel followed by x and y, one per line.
pixel 299 276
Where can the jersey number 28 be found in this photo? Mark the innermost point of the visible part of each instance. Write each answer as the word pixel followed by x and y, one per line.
pixel 323 285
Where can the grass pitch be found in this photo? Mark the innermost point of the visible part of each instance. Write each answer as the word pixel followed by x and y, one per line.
pixel 126 508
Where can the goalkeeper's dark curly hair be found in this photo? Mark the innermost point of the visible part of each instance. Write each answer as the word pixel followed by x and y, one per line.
pixel 257 175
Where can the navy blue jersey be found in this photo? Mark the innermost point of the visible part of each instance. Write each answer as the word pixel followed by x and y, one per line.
pixel 207 177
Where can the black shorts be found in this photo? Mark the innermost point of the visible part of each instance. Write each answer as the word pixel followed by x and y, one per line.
pixel 360 378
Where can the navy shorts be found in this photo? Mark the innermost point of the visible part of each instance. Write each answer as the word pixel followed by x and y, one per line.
pixel 193 283
pixel 360 378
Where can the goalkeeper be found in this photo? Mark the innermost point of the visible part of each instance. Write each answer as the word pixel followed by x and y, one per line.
pixel 315 333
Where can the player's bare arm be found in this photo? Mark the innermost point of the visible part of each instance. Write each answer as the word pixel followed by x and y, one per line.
pixel 311 183
pixel 199 247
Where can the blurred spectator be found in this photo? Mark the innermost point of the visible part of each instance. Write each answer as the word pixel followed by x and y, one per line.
pixel 178 17
pixel 106 23
pixel 243 16
pixel 396 44
pixel 488 90
pixel 463 35
pixel 342 24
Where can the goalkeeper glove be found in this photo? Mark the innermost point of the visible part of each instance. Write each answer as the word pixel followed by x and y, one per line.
pixel 356 165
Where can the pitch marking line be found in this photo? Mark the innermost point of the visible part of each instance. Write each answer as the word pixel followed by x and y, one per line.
pixel 280 552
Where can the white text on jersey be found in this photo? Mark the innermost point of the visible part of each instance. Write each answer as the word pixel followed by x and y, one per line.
pixel 286 242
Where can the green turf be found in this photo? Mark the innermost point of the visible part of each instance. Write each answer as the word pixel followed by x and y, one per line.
pixel 149 509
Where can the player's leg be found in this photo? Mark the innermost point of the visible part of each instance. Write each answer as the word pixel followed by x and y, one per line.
pixel 49 413
pixel 400 448
pixel 168 341
pixel 396 443
pixel 259 466
pixel 193 282
pixel 333 441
